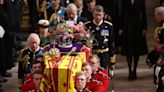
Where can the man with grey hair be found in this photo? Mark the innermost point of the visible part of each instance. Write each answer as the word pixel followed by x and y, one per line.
pixel 80 81
pixel 92 85
pixel 98 72
pixel 27 56
pixel 159 13
pixel 103 32
pixel 72 14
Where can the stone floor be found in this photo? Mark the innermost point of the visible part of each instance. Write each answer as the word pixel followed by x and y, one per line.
pixel 120 81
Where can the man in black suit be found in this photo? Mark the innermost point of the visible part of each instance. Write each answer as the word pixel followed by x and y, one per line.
pixel 72 14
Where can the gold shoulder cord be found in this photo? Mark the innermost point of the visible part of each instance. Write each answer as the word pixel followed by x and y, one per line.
pixel 37 6
pixel 20 55
pixel 52 18
pixel 23 59
pixel 44 8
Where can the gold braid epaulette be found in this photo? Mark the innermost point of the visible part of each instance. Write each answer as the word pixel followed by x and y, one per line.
pixel 46 46
pixel 102 50
pixel 87 22
pixel 53 17
pixel 23 59
pixel 20 55
pixel 156 39
pixel 156 32
pixel 38 6
pixel 113 59
pixel 42 48
pixel 108 22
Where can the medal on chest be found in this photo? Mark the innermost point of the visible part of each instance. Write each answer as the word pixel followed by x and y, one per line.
pixel 97 28
pixel 105 33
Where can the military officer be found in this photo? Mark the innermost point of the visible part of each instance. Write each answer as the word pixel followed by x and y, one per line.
pixel 159 16
pixel 103 32
pixel 45 34
pixel 33 85
pixel 80 81
pixel 54 12
pixel 29 86
pixel 35 66
pixel 98 72
pixel 159 47
pixel 92 85
pixel 27 56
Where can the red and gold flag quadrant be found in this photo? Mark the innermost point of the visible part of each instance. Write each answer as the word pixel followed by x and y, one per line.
pixel 62 76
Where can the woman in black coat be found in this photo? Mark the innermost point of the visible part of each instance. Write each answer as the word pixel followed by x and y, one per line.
pixel 133 31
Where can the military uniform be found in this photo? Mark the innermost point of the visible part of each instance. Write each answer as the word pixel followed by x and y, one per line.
pixel 105 47
pixel 54 14
pixel 26 57
pixel 102 75
pixel 155 54
pixel 52 10
pixel 45 37
pixel 158 45
pixel 94 86
pixel 29 86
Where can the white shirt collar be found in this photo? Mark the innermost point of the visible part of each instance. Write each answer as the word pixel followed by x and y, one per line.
pixel 75 19
pixel 98 23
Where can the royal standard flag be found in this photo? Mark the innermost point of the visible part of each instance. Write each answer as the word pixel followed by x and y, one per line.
pixel 61 74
